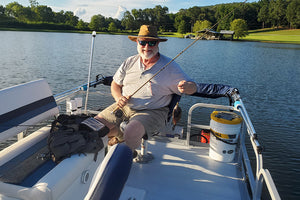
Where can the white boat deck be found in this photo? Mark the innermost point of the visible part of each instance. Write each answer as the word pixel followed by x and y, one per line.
pixel 181 172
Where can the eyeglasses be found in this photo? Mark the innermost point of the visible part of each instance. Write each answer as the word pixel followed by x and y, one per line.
pixel 150 43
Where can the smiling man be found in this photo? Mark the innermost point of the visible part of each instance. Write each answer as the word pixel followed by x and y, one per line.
pixel 146 111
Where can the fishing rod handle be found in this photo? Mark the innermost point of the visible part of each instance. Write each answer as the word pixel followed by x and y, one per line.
pixel 115 111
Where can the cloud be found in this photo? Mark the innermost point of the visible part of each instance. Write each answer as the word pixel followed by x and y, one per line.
pixel 120 12
pixel 160 1
pixel 80 12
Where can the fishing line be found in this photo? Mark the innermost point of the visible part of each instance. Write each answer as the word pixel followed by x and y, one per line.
pixel 179 54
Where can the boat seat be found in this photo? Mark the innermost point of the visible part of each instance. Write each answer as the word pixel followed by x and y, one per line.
pixel 23 106
pixel 111 176
pixel 21 169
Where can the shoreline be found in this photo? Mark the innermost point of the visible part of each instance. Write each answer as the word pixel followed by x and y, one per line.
pixel 252 37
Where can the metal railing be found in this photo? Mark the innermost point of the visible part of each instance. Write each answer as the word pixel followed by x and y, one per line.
pixel 65 94
pixel 262 175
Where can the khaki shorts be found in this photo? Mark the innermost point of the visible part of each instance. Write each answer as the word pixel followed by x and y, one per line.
pixel 152 120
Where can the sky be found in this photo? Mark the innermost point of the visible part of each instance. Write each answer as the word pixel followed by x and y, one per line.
pixel 115 8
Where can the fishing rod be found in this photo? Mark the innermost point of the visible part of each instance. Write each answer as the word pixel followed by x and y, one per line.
pixel 179 54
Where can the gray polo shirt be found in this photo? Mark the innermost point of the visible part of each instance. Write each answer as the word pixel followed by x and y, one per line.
pixel 155 94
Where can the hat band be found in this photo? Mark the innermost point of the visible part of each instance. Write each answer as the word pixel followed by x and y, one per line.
pixel 148 36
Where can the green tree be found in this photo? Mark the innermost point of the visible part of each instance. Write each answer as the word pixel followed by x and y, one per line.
pixel 70 18
pixel 293 14
pixel 200 25
pixel 82 25
pixel 263 15
pixel 27 14
pixel 13 9
pixel 182 22
pixel 222 16
pixel 239 26
pixel 137 16
pixel 170 22
pixel 182 28
pixel 2 10
pixel 19 12
pixel 112 27
pixel 33 3
pixel 128 21
pixel 59 17
pixel 277 12
pixel 97 23
pixel 44 14
pixel 160 17
pixel 207 13
pixel 250 15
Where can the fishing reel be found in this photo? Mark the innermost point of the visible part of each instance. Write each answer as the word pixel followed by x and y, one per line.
pixel 119 113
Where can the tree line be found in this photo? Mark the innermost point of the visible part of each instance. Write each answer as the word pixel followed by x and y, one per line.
pixel 261 14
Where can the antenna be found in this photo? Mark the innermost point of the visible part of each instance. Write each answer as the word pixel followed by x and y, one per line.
pixel 90 68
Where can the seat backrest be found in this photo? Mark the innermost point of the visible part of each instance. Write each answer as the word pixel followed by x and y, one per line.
pixel 24 105
pixel 111 176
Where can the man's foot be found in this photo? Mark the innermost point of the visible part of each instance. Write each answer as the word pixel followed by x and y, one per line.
pixel 114 140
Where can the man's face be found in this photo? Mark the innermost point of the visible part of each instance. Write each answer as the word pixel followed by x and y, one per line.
pixel 147 48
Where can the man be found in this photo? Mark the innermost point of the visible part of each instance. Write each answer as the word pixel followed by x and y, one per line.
pixel 146 111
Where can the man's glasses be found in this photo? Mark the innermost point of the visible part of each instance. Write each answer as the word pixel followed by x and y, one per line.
pixel 150 43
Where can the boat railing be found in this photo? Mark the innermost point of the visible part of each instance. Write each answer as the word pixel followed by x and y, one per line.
pixel 68 93
pixel 71 92
pixel 261 175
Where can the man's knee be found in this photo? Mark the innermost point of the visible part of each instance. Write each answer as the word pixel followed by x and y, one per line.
pixel 133 134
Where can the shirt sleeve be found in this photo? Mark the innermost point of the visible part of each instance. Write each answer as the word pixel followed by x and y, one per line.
pixel 121 72
pixel 178 75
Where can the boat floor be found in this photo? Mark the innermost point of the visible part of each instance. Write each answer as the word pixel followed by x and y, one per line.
pixel 181 172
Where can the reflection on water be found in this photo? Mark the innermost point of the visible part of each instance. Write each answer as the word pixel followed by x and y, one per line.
pixel 281 46
pixel 266 74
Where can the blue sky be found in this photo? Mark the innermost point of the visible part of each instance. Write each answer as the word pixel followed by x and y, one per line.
pixel 112 8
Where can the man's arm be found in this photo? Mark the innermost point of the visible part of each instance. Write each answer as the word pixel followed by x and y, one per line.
pixel 116 92
pixel 187 87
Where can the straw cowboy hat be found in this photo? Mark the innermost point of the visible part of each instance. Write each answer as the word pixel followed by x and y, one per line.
pixel 147 32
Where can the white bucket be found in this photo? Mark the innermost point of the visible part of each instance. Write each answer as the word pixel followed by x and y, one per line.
pixel 225 128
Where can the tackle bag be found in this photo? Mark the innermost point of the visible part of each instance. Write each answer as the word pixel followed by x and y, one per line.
pixel 75 134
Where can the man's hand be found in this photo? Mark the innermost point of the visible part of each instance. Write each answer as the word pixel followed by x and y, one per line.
pixel 187 87
pixel 122 101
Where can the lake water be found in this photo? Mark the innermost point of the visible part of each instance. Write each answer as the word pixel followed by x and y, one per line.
pixel 267 75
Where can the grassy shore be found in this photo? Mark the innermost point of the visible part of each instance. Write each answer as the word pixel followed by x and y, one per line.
pixel 276 36
pixel 291 36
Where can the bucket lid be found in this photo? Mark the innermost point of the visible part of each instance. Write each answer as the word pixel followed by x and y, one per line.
pixel 226 117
